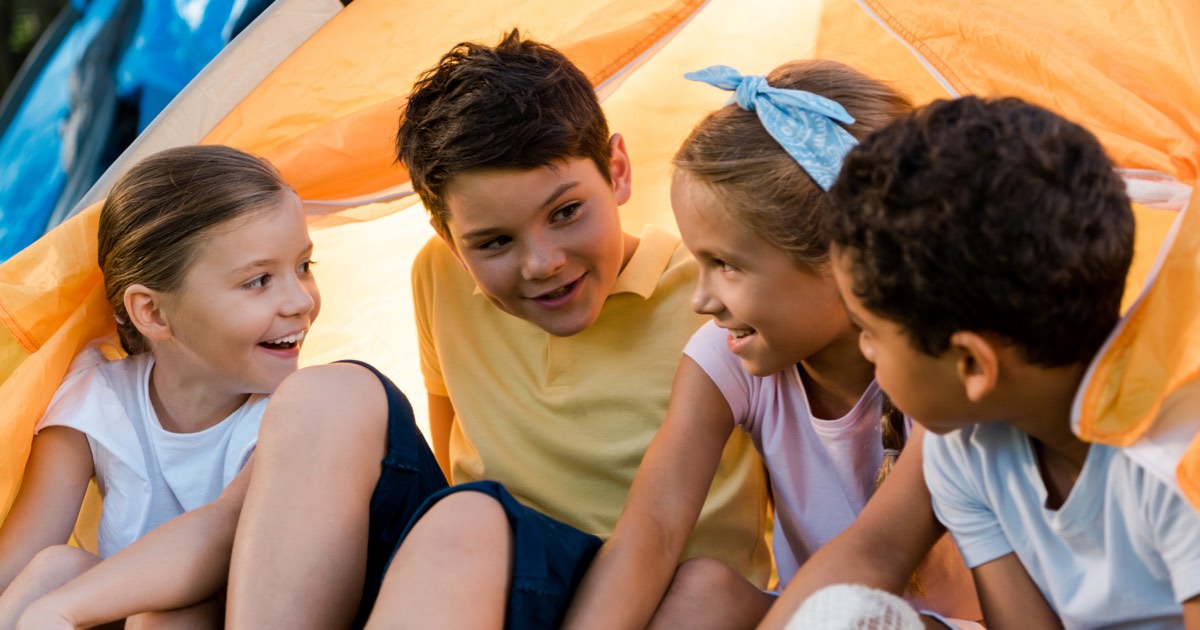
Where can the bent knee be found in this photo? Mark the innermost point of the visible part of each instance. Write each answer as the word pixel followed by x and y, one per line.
pixel 327 402
pixel 469 509
pixel 58 564
pixel 466 517
pixel 703 576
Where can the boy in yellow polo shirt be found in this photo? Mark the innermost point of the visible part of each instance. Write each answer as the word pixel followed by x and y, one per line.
pixel 549 338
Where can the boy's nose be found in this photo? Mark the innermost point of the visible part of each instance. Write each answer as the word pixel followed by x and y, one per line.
pixel 542 262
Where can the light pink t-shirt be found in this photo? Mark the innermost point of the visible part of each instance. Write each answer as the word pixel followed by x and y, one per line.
pixel 822 471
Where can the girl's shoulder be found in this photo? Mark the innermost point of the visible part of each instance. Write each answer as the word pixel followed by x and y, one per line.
pixel 97 388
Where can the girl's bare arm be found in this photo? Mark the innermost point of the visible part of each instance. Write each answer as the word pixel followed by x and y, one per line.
pixel 47 505
pixel 182 562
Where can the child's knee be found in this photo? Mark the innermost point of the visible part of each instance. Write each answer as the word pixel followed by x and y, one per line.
pixel 468 517
pixel 328 404
pixel 56 565
pixel 703 577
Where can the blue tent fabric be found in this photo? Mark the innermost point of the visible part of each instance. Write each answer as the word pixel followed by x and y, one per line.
pixel 114 70
pixel 31 172
pixel 173 43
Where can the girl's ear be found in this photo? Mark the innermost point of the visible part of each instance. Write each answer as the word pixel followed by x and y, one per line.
pixel 620 169
pixel 976 363
pixel 145 309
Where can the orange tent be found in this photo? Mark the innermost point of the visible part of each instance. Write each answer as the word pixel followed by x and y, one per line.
pixel 325 115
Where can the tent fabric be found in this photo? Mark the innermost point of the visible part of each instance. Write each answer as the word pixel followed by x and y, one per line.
pixel 31 141
pixel 222 84
pixel 105 69
pixel 326 116
pixel 1130 75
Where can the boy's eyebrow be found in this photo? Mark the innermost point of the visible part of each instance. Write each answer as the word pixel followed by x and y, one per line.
pixel 558 191
pixel 555 194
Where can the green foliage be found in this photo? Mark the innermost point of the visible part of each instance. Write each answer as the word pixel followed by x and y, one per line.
pixel 22 22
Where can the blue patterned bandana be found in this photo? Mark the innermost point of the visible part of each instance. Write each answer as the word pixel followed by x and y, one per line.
pixel 801 122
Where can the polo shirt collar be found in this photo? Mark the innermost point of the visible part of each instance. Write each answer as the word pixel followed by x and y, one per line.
pixel 644 270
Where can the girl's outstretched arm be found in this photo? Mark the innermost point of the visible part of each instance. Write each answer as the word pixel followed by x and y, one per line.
pixel 881 548
pixel 633 569
pixel 47 505
pixel 179 563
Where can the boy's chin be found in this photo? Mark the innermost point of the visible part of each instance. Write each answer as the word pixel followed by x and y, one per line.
pixel 565 326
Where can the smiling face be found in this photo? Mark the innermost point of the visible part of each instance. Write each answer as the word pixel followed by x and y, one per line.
pixel 544 245
pixel 778 312
pixel 246 303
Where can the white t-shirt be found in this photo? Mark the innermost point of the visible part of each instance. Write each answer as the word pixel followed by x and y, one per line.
pixel 1121 552
pixel 146 474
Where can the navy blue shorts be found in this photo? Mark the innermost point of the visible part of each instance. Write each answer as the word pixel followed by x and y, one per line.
pixel 549 558
pixel 410 475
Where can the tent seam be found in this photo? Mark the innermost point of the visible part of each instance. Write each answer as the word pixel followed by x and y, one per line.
pixel 642 45
pixel 920 48
pixel 22 336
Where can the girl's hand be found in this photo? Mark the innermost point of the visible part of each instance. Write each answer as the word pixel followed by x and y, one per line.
pixel 45 614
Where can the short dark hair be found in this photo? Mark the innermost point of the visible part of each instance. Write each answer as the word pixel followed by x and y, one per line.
pixel 518 105
pixel 992 216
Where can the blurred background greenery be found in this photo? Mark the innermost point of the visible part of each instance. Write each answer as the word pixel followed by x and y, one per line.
pixel 22 22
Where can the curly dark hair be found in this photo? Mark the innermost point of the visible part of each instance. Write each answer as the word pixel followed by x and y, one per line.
pixel 518 105
pixel 992 216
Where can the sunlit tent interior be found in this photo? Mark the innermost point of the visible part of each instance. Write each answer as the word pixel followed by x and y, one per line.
pixel 316 88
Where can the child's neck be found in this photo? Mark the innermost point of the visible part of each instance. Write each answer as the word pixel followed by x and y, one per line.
pixel 836 377
pixel 189 405
pixel 1041 408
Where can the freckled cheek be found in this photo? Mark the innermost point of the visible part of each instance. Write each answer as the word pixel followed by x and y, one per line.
pixel 493 277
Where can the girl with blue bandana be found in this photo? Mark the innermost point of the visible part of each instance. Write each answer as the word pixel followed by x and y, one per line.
pixel 780 360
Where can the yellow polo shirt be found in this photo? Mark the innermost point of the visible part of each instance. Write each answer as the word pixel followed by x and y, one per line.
pixel 563 422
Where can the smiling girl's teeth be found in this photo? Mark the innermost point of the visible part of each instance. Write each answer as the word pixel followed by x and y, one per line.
pixel 738 334
pixel 290 339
